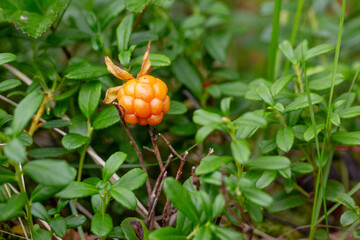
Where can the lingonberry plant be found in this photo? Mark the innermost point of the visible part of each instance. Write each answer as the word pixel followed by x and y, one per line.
pixel 240 122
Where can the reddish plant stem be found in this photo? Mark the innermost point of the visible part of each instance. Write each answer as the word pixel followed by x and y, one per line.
pixel 151 216
pixel 137 150
pixel 171 148
pixel 153 137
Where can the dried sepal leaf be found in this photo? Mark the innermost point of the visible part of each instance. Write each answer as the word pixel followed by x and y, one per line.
pixel 111 94
pixel 146 64
pixel 117 71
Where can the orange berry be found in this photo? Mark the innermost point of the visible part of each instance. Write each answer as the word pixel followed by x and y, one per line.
pixel 145 100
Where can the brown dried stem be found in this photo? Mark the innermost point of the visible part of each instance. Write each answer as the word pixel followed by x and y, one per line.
pixel 137 150
pixel 171 148
pixel 153 137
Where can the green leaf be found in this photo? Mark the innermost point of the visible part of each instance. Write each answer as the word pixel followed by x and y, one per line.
pixel 89 97
pixel 15 151
pixel 234 88
pixel 124 196
pixel 204 131
pixel 74 221
pixel 157 60
pixel 309 134
pixel 250 119
pixel 50 172
pixel 33 19
pixel 350 112
pixel 211 163
pixel 264 93
pixel 87 72
pixel 302 102
pixel 333 188
pixel 283 201
pixel 216 44
pixel 134 229
pixel 77 190
pixel 41 234
pixel 266 179
pixel 204 232
pixel 42 192
pixel 106 118
pixel 240 150
pixel 254 211
pixel 324 83
pixel 356 233
pixel 225 106
pixel 24 111
pixel 67 94
pixel 286 48
pixel 269 162
pixel 193 21
pixel 203 117
pixel 132 180
pixel 348 218
pixel 167 233
pixel 48 152
pixel 123 33
pixel 58 225
pixel 6 175
pixel 181 199
pixel 186 74
pixel 11 209
pixel 302 168
pixel 218 206
pixel 279 84
pixel 285 138
pixel 176 108
pixel 225 233
pixel 258 197
pixel 73 141
pixel 346 200
pixel 101 224
pixel 9 84
pixel 113 164
pixel 7 57
pixel 58 123
pixel 136 5
pixel 318 50
pixel 347 138
pixel 39 211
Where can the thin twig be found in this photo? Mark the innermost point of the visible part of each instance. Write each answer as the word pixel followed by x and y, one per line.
pixel 137 150
pixel 18 73
pixel 84 211
pixel 152 210
pixel 12 234
pixel 211 151
pixel 192 99
pixel 171 148
pixel 149 149
pixel 153 137
pixel 307 226
pixel 138 20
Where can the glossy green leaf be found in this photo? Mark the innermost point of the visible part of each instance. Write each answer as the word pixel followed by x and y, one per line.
pixel 11 209
pixel 157 60
pixel 8 84
pixel 234 88
pixel 136 5
pixel 123 33
pixel 302 102
pixel 211 163
pixel 77 190
pixel 348 217
pixel 250 119
pixel 285 138
pixel 346 200
pixel 101 224
pixel 269 162
pixel 216 44
pixel 332 189
pixel 283 201
pixel 204 232
pixel 50 172
pixel 87 72
pixel 43 192
pixel 39 211
pixel 318 50
pixel 350 112
pixel 266 179
pixel 106 118
pixel 74 221
pixel 89 97
pixel 132 180
pixel 225 106
pixel 58 123
pixel 48 152
pixel 204 131
pixel 73 141
pixel 203 117
pixel 186 74
pixel 24 111
pixel 15 151
pixel 134 228
pixel 286 48
pixel 347 138
pixel 58 225
pixel 113 164
pixel 258 197
pixel 302 167
pixel 264 93
pixel 176 108
pixel 6 175
pixel 7 57
pixel 167 233
pixel 225 233
pixel 181 199
pixel 240 150
pixel 124 196
pixel 42 234
pixel 324 83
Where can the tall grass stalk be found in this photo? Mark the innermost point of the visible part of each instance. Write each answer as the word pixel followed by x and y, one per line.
pixel 274 40
pixel 316 209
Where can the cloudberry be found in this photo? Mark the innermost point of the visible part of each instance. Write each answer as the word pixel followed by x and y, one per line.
pixel 144 99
